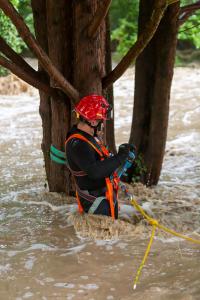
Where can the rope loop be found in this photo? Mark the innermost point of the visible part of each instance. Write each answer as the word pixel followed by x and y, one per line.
pixel 153 222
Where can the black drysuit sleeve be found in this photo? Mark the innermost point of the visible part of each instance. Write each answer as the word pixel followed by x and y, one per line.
pixel 86 158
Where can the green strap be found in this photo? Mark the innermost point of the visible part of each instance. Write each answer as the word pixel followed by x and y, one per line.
pixel 57 159
pixel 57 152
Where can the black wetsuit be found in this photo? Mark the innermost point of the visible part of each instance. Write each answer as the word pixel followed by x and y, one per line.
pixel 82 157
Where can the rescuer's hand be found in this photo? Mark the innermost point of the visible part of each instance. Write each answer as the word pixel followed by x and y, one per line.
pixel 133 148
pixel 123 152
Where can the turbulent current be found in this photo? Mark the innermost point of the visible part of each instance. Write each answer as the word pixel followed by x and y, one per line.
pixel 47 251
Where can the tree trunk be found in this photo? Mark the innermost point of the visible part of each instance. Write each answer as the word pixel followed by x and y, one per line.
pixel 59 36
pixel 154 72
pixel 108 93
pixel 89 59
pixel 39 14
pixel 90 53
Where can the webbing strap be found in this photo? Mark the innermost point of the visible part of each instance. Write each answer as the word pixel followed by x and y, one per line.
pixel 95 204
pixel 81 137
pixel 109 196
pixel 80 207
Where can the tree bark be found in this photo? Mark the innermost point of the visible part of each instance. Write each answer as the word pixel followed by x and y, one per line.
pixel 108 93
pixel 154 72
pixel 99 17
pixel 40 25
pixel 60 53
pixel 89 63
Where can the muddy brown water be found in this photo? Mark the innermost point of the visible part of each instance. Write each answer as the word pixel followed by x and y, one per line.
pixel 48 252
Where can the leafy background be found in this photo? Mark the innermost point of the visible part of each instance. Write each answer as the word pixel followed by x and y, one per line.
pixel 124 18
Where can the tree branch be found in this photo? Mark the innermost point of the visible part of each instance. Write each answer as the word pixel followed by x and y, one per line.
pixel 14 57
pixel 29 39
pixel 99 16
pixel 22 69
pixel 19 72
pixel 140 44
pixel 189 7
pixel 187 11
pixel 169 2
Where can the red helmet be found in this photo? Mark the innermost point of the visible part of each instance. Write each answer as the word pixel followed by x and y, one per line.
pixel 93 107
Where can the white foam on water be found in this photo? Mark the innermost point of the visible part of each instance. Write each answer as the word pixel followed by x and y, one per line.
pixel 30 263
pixel 184 142
pixel 105 242
pixel 64 285
pixel 122 245
pixel 28 295
pixel 5 269
pixel 70 296
pixel 42 247
pixel 89 286
pixel 74 250
pixel 52 207
pixel 49 279
pixel 109 297
pixel 84 277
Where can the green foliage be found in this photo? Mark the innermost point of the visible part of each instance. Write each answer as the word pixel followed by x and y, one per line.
pixel 136 172
pixel 9 33
pixel 25 11
pixel 139 169
pixel 190 30
pixel 124 17
pixel 125 35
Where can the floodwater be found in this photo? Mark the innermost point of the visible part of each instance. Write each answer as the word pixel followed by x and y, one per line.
pixel 48 252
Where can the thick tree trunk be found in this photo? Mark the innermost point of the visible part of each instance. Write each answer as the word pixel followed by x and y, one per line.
pixel 39 14
pixel 154 72
pixel 89 59
pixel 108 93
pixel 89 52
pixel 59 37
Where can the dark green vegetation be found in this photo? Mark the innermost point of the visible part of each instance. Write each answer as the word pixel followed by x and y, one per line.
pixel 124 26
pixel 9 32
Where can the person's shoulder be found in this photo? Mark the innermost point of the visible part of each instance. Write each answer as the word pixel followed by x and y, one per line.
pixel 74 141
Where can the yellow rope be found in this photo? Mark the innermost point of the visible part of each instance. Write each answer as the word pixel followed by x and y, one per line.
pixel 155 224
pixel 145 257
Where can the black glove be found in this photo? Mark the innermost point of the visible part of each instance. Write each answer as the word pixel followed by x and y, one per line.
pixel 123 152
pixel 133 148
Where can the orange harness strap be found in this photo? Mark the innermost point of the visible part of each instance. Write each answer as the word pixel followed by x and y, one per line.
pixel 81 137
pixel 109 185
pixel 109 196
pixel 80 208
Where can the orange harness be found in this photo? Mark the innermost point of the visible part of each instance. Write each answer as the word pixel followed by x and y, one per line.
pixel 111 186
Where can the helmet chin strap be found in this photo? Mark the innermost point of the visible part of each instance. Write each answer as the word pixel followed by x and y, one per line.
pixel 95 127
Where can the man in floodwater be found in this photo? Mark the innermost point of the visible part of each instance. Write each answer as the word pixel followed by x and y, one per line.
pixel 91 164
